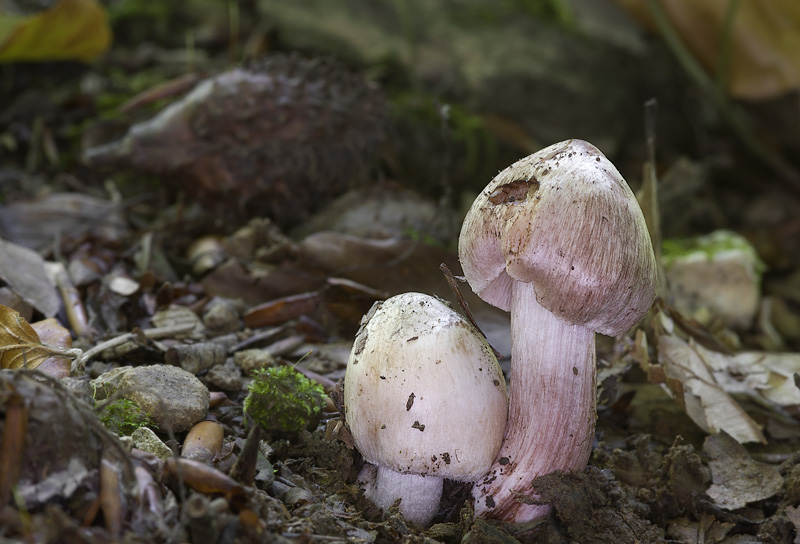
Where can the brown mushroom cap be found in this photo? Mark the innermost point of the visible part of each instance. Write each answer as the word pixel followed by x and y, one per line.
pixel 565 220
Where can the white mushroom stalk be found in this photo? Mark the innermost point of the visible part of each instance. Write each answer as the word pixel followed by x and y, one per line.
pixel 559 240
pixel 425 400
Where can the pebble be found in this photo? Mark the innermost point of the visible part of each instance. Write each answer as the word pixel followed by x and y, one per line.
pixel 195 358
pixel 174 398
pixel 226 377
pixel 146 440
pixel 253 359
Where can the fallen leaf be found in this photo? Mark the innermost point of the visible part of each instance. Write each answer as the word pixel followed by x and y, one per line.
pixel 37 223
pixel 737 479
pixel 71 29
pixel 691 381
pixel 24 271
pixel 20 346
pixel 764 376
pixel 708 529
pixel 19 343
pixel 764 55
pixel 201 477
pixel 51 333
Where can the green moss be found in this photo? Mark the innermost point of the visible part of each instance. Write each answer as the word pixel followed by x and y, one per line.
pixel 123 417
pixel 710 245
pixel 122 86
pixel 283 400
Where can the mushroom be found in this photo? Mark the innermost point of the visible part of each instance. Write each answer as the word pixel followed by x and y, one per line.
pixel 425 399
pixel 558 240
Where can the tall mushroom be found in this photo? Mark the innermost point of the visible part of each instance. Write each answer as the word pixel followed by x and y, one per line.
pixel 558 240
pixel 425 399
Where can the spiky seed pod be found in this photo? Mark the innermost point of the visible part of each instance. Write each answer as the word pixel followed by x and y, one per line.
pixel 277 138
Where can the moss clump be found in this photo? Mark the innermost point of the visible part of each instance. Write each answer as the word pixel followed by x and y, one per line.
pixel 283 400
pixel 123 417
pixel 711 245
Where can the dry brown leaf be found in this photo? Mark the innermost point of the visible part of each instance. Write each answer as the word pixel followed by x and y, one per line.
pixel 24 271
pixel 764 376
pixel 708 529
pixel 693 384
pixel 764 56
pixel 201 477
pixel 281 310
pixel 52 334
pixel 36 223
pixel 737 479
pixel 20 345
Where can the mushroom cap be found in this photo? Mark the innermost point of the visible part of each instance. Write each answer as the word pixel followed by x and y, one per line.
pixel 565 220
pixel 423 391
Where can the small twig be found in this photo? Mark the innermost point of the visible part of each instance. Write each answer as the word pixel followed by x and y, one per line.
pixel 79 364
pixel 648 196
pixel 326 383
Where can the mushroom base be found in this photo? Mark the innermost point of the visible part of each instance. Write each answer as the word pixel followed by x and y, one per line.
pixel 419 495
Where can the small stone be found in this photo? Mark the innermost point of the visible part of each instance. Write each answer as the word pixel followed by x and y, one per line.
pixel 99 368
pixel 226 377
pixel 228 341
pixel 107 383
pixel 221 316
pixel 177 316
pixel 146 440
pixel 173 397
pixel 195 358
pixel 79 387
pixel 253 359
pixel 714 276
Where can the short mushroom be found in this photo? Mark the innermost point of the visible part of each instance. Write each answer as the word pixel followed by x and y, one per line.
pixel 425 399
pixel 558 240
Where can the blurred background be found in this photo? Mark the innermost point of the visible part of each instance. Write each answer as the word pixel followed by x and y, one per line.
pixel 422 104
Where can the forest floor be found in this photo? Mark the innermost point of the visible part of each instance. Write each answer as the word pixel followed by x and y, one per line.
pixel 152 271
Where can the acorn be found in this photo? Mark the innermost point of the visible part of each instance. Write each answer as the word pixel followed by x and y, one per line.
pixel 277 138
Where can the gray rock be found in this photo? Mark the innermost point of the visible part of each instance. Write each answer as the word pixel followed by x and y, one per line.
pixel 173 397
pixel 146 440
pixel 226 377
pixel 221 316
pixel 80 388
pixel 195 358
pixel 250 360
pixel 107 382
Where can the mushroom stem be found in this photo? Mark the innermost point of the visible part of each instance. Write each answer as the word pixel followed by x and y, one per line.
pixel 420 495
pixel 551 412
